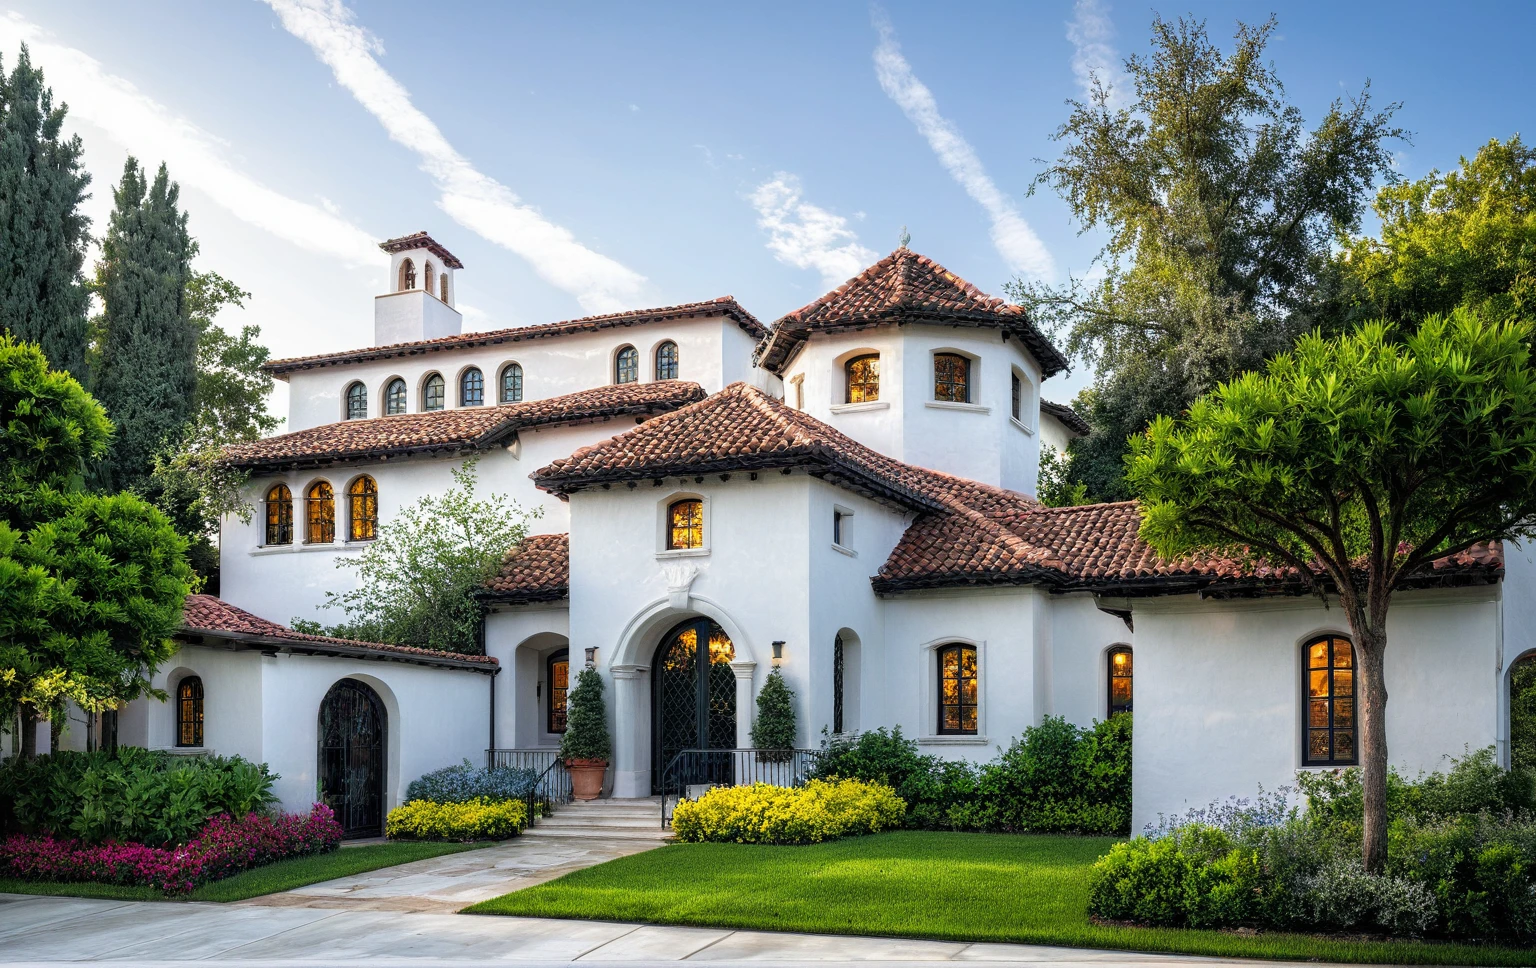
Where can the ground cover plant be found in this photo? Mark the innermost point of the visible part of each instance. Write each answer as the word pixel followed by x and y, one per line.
pixel 920 884
pixel 480 819
pixel 465 782
pixel 817 810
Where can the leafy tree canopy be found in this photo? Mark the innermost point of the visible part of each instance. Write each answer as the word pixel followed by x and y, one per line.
pixel 50 428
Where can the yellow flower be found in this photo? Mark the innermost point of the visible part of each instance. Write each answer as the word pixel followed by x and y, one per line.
pixel 480 819
pixel 762 814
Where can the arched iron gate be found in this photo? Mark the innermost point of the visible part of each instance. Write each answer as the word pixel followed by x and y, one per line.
pixel 694 697
pixel 353 730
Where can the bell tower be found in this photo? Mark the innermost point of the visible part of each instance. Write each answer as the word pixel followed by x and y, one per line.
pixel 419 303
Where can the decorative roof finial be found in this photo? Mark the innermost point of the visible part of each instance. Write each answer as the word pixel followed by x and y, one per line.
pixel 905 238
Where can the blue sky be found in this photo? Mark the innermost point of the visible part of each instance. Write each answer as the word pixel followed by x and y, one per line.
pixel 581 157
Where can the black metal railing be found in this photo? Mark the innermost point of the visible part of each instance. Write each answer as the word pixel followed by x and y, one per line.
pixel 691 772
pixel 551 789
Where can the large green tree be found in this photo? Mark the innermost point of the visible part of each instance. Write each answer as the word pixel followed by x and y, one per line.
pixel 148 370
pixel 43 235
pixel 1356 460
pixel 1219 205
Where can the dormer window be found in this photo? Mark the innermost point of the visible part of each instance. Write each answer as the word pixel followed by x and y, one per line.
pixel 433 393
pixel 357 401
pixel 951 378
pixel 407 275
pixel 626 366
pixel 863 374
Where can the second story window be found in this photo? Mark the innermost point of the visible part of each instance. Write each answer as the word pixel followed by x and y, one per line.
pixel 472 388
pixel 279 515
pixel 626 366
pixel 951 378
pixel 357 401
pixel 685 524
pixel 666 361
pixel 320 514
pixel 863 374
pixel 432 393
pixel 363 509
pixel 1016 388
pixel 407 275
pixel 394 397
pixel 512 383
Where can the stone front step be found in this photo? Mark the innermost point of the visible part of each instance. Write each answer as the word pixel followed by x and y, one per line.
pixel 609 819
pixel 605 834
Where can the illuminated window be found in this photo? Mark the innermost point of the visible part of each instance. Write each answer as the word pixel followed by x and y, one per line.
pixel 357 402
pixel 279 515
pixel 863 378
pixel 666 361
pixel 472 388
pixel 957 689
pixel 1120 680
pixel 951 378
pixel 363 509
pixel 189 712
pixel 511 383
pixel 394 397
pixel 626 366
pixel 407 275
pixel 433 393
pixel 1328 683
pixel 320 514
pixel 685 524
pixel 559 680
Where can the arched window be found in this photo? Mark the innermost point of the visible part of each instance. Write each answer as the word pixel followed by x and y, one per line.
pixel 666 361
pixel 863 378
pixel 394 397
pixel 1120 692
pixel 472 388
pixel 279 515
pixel 512 383
pixel 363 509
pixel 1016 390
pixel 407 275
pixel 189 712
pixel 559 679
pixel 626 366
pixel 1328 688
pixel 442 287
pixel 357 401
pixel 428 274
pixel 685 524
pixel 320 514
pixel 951 378
pixel 433 392
pixel 837 684
pixel 957 689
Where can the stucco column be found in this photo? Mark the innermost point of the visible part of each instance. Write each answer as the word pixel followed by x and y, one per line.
pixel 631 732
pixel 746 702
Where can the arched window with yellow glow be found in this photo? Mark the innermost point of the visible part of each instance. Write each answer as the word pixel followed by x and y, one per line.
pixel 279 515
pixel 1328 689
pixel 1120 692
pixel 957 689
pixel 320 514
pixel 363 509
pixel 189 712
pixel 863 373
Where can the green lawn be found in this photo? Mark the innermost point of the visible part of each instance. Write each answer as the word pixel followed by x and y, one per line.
pixel 964 887
pixel 282 876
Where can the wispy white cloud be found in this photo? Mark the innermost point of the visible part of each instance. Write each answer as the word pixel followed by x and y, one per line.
pixel 807 236
pixel 1090 32
pixel 195 157
pixel 1014 240
pixel 471 198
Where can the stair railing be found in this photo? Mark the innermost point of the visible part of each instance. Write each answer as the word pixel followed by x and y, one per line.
pixel 551 788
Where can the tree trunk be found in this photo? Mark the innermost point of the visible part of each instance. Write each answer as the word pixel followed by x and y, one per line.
pixel 28 733
pixel 1371 711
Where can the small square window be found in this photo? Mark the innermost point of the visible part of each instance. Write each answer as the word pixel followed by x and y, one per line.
pixel 842 529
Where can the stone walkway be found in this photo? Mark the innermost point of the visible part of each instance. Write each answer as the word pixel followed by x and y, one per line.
pixel 58 930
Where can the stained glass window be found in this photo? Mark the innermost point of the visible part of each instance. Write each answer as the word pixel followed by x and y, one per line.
pixel 685 524
pixel 626 366
pixel 957 689
pixel 472 388
pixel 189 712
pixel 357 402
pixel 951 378
pixel 559 685
pixel 512 383
pixel 1120 693
pixel 863 378
pixel 363 509
pixel 279 515
pixel 666 361
pixel 433 395
pixel 320 514
pixel 1329 687
pixel 394 397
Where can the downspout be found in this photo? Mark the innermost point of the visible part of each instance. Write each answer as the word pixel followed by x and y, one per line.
pixel 491 679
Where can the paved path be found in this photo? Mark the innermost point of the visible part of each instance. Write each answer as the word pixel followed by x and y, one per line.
pixel 55 930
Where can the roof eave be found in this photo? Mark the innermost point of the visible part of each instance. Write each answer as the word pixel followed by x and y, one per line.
pixel 339 650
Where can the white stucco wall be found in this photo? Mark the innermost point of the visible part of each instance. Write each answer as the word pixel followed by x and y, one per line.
pixel 1081 637
pixel 413 315
pixel 1517 604
pixel 522 639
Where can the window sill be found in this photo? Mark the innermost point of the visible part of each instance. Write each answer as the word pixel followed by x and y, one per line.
pixel 1022 425
pixel 682 553
pixel 840 549
pixel 294 549
pixel 957 740
pixel 948 405
pixel 861 407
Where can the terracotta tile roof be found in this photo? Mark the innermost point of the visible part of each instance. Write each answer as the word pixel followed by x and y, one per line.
pixel 538 570
pixel 725 306
pixel 1067 416
pixel 452 431
pixel 904 287
pixel 207 615
pixel 421 240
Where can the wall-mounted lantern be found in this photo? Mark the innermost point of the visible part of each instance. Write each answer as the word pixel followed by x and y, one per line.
pixel 591 656
pixel 778 651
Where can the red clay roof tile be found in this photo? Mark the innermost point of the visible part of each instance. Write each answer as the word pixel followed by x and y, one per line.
pixel 538 570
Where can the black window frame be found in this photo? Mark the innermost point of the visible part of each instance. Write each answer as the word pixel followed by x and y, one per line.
pixel 666 361
pixel 1017 389
pixel 396 397
pixel 697 524
pixel 510 392
pixel 1330 702
pixel 960 648
pixel 363 508
pixel 357 400
pixel 434 390
pixel 472 388
pixel 626 365
pixel 950 380
pixel 189 712
pixel 279 524
pixel 562 655
pixel 320 512
pixel 838 661
pixel 1117 708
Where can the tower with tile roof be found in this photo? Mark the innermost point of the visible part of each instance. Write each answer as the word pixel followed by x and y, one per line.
pixel 418 302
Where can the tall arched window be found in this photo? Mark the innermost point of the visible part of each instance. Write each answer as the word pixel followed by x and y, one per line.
pixel 472 388
pixel 442 287
pixel 279 515
pixel 1016 396
pixel 429 278
pixel 357 401
pixel 863 374
pixel 512 383
pixel 559 679
pixel 433 392
pixel 666 361
pixel 957 689
pixel 951 378
pixel 1120 692
pixel 407 275
pixel 626 366
pixel 363 509
pixel 189 712
pixel 320 514
pixel 1328 688
pixel 394 397
pixel 685 524
pixel 837 684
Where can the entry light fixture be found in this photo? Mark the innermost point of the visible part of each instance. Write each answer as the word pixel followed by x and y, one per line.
pixel 778 651
pixel 591 656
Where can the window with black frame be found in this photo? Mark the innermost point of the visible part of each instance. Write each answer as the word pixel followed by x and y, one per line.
pixel 957 689
pixel 837 684
pixel 666 361
pixel 1120 686
pixel 357 402
pixel 512 383
pixel 558 676
pixel 1328 689
pixel 434 393
pixel 951 378
pixel 685 524
pixel 626 366
pixel 394 397
pixel 320 514
pixel 189 712
pixel 472 388
pixel 863 376
pixel 279 515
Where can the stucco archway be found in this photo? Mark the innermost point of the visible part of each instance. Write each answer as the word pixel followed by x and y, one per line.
pixel 1520 709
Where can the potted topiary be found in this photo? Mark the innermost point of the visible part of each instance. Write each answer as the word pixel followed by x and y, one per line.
pixel 585 747
pixel 773 730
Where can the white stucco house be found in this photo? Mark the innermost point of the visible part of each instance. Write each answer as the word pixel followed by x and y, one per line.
pixel 847 493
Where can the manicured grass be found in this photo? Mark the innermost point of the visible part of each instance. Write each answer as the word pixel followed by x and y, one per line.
pixel 963 887
pixel 282 876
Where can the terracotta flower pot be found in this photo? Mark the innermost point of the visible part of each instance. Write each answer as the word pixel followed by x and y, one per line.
pixel 586 778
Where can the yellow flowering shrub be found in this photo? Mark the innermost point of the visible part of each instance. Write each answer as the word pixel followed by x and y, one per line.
pixel 763 814
pixel 480 819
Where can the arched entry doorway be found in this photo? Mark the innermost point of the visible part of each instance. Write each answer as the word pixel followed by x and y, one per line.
pixel 694 702
pixel 1522 712
pixel 353 729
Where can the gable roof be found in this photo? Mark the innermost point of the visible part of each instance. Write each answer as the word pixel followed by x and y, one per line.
pixel 726 306
pixel 902 288
pixel 538 570
pixel 447 432
pixel 421 240
pixel 1068 417
pixel 207 615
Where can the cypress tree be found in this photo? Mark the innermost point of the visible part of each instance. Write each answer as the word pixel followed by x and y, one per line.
pixel 43 236
pixel 148 372
pixel 774 728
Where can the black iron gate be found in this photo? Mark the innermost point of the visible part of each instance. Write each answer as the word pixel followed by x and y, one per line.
pixel 351 770
pixel 694 699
